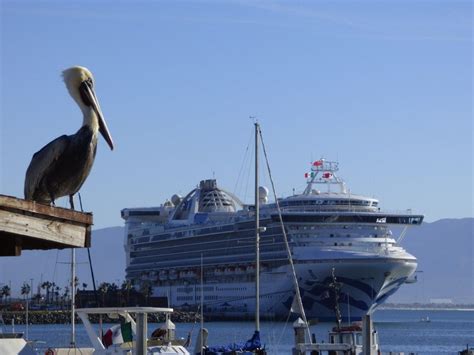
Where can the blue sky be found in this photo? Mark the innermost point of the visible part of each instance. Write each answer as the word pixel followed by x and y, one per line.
pixel 383 87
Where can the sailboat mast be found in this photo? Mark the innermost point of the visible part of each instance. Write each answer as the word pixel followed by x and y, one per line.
pixel 73 297
pixel 257 235
pixel 202 306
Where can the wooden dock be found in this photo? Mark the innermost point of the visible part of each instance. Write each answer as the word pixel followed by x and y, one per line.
pixel 27 225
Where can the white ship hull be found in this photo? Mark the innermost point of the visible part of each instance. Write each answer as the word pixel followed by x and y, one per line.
pixel 365 283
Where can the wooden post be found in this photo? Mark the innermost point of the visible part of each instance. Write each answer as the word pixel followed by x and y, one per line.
pixel 367 335
pixel 142 332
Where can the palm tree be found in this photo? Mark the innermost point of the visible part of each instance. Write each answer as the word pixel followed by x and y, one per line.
pixel 25 289
pixel 52 286
pixel 56 293
pixel 43 285
pixel 6 292
pixel 104 288
pixel 146 290
pixel 127 286
pixel 46 286
pixel 113 287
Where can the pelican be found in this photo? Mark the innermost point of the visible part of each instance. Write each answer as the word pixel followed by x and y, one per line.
pixel 61 166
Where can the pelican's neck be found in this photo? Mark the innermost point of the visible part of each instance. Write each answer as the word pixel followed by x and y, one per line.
pixel 90 119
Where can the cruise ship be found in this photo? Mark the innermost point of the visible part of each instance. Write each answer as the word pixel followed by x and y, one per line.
pixel 332 234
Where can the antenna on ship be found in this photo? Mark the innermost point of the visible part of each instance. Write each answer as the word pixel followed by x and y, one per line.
pixel 324 172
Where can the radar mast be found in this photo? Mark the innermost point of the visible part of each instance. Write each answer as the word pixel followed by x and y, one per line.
pixel 324 172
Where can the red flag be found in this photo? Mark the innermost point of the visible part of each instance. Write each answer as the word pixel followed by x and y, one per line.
pixel 327 175
pixel 318 163
pixel 306 175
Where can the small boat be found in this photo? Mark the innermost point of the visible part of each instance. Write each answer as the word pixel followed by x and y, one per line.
pixel 342 340
pixel 129 337
pixel 13 342
pixel 425 319
pixel 352 335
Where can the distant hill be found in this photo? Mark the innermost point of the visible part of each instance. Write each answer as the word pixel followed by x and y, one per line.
pixel 445 256
pixel 444 250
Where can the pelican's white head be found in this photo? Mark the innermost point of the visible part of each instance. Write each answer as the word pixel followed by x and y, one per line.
pixel 73 78
pixel 80 84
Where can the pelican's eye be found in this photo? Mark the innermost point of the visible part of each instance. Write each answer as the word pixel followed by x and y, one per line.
pixel 86 91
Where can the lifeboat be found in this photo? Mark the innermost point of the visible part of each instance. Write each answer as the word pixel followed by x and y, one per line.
pixel 173 275
pixel 229 270
pixel 191 274
pixel 163 275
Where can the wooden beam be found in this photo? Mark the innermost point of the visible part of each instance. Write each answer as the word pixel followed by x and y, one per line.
pixel 11 246
pixel 30 225
pixel 13 203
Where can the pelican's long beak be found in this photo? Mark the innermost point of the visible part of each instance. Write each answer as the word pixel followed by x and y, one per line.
pixel 88 91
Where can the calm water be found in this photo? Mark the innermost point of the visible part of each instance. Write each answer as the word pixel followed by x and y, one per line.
pixel 399 330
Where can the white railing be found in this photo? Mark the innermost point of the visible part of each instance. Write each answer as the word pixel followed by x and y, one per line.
pixel 358 209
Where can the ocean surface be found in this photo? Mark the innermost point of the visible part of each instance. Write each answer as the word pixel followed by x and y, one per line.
pixel 448 331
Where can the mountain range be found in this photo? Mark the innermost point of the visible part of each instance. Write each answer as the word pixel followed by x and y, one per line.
pixel 444 249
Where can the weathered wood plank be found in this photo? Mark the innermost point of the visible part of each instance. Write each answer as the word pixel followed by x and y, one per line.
pixel 30 225
pixel 52 231
pixel 13 203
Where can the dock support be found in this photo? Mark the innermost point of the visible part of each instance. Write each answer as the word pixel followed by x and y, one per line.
pixel 142 331
pixel 299 327
pixel 367 335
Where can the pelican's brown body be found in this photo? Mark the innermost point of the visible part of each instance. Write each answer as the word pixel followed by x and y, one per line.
pixel 69 162
pixel 62 166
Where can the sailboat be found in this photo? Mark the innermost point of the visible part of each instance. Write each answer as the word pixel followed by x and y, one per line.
pixel 13 342
pixel 253 345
